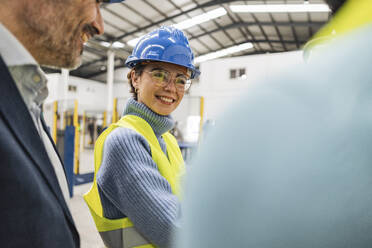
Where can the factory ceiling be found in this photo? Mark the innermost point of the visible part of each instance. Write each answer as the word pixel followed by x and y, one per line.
pixel 224 26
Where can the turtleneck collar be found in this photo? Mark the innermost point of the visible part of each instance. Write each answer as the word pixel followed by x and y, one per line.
pixel 159 123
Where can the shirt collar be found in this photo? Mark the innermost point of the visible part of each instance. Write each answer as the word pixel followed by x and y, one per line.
pixel 30 79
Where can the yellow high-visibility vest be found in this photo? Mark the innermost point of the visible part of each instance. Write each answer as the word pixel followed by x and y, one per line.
pixel 121 232
pixel 352 15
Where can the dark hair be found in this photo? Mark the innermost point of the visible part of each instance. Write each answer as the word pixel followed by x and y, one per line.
pixel 334 5
pixel 138 69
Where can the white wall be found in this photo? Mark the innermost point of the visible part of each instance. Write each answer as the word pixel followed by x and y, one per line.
pixel 220 91
pixel 121 91
pixel 120 75
pixel 91 95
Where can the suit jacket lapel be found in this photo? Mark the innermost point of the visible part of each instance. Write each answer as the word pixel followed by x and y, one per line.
pixel 20 122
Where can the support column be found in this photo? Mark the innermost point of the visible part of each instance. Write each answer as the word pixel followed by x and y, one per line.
pixel 64 83
pixel 110 83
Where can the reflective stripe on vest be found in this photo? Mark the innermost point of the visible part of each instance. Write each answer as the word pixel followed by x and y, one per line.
pixel 120 232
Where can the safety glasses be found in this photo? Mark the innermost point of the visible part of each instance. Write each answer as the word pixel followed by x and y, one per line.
pixel 162 78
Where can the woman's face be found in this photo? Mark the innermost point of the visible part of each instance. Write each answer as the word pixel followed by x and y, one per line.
pixel 162 98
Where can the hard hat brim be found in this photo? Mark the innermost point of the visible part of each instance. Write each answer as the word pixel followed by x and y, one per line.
pixel 132 62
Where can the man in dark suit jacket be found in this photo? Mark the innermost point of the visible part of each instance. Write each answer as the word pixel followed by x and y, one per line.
pixel 33 184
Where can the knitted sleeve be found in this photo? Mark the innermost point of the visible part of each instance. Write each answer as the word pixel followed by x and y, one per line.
pixel 130 180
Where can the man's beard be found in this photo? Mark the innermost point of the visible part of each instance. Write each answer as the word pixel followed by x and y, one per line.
pixel 60 55
pixel 66 54
pixel 53 44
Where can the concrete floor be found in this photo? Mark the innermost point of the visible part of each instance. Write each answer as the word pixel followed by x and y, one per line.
pixel 89 237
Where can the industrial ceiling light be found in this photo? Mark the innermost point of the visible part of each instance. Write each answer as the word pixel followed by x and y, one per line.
pixel 210 15
pixel 105 43
pixel 224 52
pixel 279 8
pixel 118 44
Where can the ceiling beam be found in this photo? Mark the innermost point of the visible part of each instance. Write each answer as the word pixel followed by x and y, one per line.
pixel 207 4
pixel 99 72
pixel 245 24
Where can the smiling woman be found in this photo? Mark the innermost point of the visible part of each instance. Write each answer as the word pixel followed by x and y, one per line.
pixel 158 88
pixel 135 198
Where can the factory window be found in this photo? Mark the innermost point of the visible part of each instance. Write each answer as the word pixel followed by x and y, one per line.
pixel 242 73
pixel 232 73
pixel 72 88
pixel 238 73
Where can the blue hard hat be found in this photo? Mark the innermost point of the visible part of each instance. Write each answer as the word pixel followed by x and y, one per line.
pixel 113 1
pixel 165 44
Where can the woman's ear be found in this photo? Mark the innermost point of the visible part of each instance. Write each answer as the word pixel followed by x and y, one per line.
pixel 134 78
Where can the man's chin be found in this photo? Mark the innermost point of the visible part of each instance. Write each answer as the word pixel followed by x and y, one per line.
pixel 70 65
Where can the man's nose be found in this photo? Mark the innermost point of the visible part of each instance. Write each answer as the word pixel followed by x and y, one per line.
pixel 98 22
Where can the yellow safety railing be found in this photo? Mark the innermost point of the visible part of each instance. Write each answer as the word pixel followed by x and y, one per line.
pixel 201 118
pixel 115 111
pixel 104 118
pixel 77 138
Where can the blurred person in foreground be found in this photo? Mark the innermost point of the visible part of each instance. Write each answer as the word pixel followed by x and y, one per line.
pixel 290 166
pixel 33 183
pixel 135 198
pixel 315 46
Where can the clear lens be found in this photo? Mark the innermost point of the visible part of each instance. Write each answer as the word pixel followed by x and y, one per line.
pixel 180 81
pixel 162 78
pixel 188 84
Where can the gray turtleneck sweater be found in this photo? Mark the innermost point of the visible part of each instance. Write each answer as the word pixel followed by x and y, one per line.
pixel 130 184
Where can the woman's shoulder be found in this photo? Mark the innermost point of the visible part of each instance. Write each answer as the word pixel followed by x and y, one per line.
pixel 124 137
